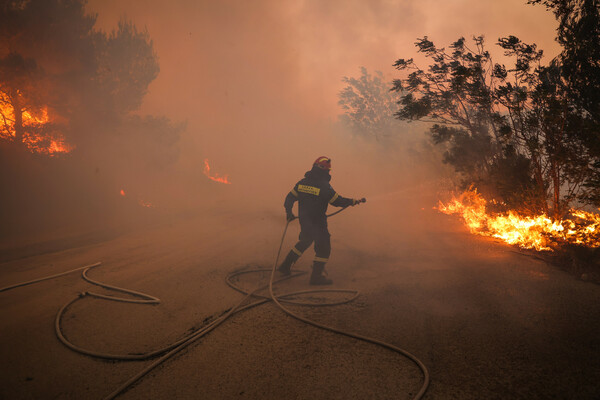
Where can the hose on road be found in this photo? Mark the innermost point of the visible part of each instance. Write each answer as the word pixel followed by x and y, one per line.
pixel 167 352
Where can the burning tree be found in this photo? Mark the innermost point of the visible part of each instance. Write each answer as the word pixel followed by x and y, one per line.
pixel 59 77
pixel 13 83
pixel 527 135
pixel 24 116
pixel 510 131
pixel 66 87
pixel 36 55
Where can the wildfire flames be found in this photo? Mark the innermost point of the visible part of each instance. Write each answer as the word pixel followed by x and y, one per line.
pixel 537 232
pixel 216 177
pixel 38 137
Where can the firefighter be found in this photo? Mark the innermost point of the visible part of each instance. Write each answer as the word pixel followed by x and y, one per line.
pixel 314 194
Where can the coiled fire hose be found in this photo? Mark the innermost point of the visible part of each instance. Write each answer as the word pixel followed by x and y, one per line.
pixel 168 351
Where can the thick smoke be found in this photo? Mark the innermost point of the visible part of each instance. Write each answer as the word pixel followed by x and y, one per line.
pixel 253 88
pixel 258 83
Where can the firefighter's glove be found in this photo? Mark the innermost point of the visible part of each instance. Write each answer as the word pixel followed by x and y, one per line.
pixel 358 201
pixel 290 217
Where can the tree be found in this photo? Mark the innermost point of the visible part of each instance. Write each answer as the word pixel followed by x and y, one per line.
pixel 45 54
pixel 127 63
pixel 368 105
pixel 53 62
pixel 17 94
pixel 509 131
pixel 67 87
pixel 578 33
pixel 544 121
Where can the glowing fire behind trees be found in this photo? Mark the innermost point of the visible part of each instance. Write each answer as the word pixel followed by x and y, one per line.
pixel 38 135
pixel 531 232
pixel 216 177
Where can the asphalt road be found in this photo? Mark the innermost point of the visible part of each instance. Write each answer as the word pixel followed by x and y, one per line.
pixel 487 321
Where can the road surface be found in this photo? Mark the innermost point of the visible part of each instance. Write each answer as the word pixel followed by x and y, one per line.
pixel 487 321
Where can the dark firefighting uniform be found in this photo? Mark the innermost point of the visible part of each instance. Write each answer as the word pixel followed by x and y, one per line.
pixel 314 194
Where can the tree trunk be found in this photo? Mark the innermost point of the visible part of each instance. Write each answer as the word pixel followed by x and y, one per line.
pixel 539 180
pixel 18 111
pixel 555 174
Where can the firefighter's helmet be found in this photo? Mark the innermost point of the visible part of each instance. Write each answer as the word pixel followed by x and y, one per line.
pixel 323 163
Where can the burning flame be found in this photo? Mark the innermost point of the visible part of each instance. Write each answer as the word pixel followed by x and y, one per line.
pixel 216 177
pixel 51 142
pixel 141 202
pixel 537 232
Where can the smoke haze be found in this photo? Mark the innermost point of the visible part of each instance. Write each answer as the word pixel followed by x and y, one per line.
pixel 257 82
pixel 253 87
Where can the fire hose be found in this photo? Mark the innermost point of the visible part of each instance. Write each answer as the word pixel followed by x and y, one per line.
pixel 170 350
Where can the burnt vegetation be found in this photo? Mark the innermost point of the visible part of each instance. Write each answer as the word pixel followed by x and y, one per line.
pixel 70 132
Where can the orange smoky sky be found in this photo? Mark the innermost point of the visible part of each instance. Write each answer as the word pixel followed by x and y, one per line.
pixel 261 78
pixel 225 53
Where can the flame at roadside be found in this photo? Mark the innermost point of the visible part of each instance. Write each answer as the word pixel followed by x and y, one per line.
pixel 214 177
pixel 531 232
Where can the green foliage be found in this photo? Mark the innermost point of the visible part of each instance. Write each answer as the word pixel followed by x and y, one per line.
pixel 510 180
pixel 512 130
pixel 453 90
pixel 470 154
pixel 127 63
pixel 579 35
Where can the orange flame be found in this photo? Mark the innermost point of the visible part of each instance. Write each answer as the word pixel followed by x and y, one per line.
pixel 537 232
pixel 216 177
pixel 122 192
pixel 50 143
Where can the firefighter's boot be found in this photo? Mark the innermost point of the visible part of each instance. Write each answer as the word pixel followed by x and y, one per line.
pixel 317 277
pixel 285 267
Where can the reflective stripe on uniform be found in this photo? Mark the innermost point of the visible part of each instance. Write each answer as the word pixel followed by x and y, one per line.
pixel 309 189
pixel 321 259
pixel 295 250
pixel 334 198
pixel 294 193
